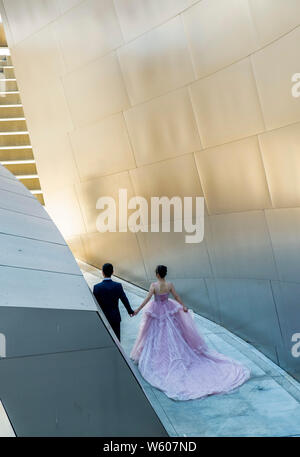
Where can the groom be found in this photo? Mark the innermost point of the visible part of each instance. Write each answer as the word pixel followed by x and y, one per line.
pixel 107 294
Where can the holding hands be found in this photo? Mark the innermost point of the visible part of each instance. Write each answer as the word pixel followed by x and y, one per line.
pixel 135 312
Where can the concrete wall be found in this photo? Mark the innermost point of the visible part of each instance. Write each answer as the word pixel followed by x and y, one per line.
pixel 174 97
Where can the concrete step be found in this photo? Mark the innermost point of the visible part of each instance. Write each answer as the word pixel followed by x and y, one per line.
pixel 15 154
pixel 5 91
pixel 8 72
pixel 10 98
pixel 40 198
pixel 5 61
pixel 32 182
pixel 11 111
pixel 14 139
pixel 13 125
pixel 25 146
pixel 22 169
pixel 27 177
pixel 17 162
pixel 10 119
pixel 8 85
pixel 19 132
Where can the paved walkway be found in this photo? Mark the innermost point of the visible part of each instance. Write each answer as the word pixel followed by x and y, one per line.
pixel 267 405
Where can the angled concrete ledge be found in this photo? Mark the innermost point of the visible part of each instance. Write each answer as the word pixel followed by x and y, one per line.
pixel 61 371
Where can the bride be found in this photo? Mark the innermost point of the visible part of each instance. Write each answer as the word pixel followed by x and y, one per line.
pixel 170 353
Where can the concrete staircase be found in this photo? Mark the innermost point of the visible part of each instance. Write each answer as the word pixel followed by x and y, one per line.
pixel 16 152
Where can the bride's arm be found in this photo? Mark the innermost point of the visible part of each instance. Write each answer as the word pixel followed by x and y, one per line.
pixel 150 293
pixel 177 298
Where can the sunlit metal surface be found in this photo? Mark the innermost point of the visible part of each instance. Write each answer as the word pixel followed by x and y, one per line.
pixel 174 97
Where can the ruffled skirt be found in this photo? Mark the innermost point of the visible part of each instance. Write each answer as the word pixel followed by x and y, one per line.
pixel 173 357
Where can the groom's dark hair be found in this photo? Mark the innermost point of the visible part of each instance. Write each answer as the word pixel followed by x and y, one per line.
pixel 107 270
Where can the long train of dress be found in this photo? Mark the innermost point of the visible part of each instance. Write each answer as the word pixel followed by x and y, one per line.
pixel 173 357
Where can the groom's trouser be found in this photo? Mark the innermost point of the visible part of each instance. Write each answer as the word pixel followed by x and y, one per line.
pixel 116 326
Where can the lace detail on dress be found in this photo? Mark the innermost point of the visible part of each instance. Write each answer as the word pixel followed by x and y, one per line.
pixel 161 308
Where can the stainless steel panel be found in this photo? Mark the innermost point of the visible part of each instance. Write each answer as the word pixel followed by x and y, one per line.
pixel 274 18
pixel 107 186
pixel 63 206
pixel 28 16
pixel 65 5
pixel 240 246
pixel 248 309
pixel 233 177
pixel 227 105
pixel 108 146
pixel 170 249
pixel 120 249
pixel 280 152
pixel 76 245
pixel 163 128
pixel 284 229
pixel 212 27
pixel 156 62
pixel 170 178
pixel 274 67
pixel 197 296
pixel 138 16
pixel 88 31
pixel 96 90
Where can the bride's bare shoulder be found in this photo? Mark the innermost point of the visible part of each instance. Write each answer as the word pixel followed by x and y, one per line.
pixel 169 286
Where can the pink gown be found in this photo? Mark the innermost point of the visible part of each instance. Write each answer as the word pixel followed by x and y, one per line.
pixel 173 357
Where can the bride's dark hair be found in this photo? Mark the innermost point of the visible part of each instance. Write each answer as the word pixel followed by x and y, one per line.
pixel 161 270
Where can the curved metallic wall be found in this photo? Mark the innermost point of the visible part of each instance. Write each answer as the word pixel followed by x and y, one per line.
pixel 174 97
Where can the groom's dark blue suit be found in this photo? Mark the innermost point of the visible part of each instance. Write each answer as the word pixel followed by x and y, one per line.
pixel 108 293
